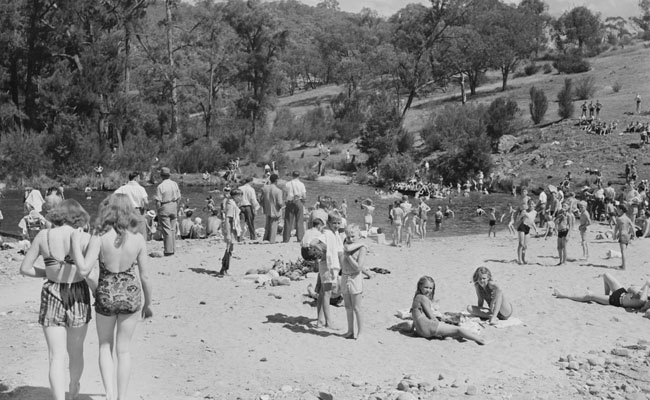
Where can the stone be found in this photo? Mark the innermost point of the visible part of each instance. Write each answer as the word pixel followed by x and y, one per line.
pixel 564 365
pixel 636 396
pixel 563 359
pixel 404 385
pixel 573 365
pixel 593 361
pixel 405 396
pixel 286 389
pixel 571 357
pixel 358 383
pixel 156 254
pixel 621 352
pixel 265 397
pixel 471 391
pixel 507 143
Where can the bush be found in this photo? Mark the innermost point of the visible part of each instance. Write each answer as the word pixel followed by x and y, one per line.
pixel 571 64
pixel 565 100
pixel 22 156
pixel 452 125
pixel 585 88
pixel 202 155
pixel 547 68
pixel 396 168
pixel 616 86
pixel 474 156
pixel 405 142
pixel 379 137
pixel 531 69
pixel 500 118
pixel 348 118
pixel 538 105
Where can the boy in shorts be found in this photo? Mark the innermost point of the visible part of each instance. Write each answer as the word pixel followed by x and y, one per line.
pixel 328 269
pixel 623 231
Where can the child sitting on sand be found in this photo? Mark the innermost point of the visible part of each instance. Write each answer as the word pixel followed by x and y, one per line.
pixel 352 273
pixel 312 247
pixel 425 321
pixel 615 295
pixel 488 292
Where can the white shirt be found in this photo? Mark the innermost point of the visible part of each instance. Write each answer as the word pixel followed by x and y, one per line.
pixel 295 190
pixel 136 193
pixel 249 197
pixel 542 197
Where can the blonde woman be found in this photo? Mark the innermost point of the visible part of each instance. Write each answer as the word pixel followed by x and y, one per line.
pixel 121 287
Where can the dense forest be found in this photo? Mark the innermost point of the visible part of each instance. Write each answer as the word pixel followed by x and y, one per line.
pixel 121 82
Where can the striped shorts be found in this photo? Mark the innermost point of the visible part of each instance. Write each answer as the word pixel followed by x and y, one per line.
pixel 65 304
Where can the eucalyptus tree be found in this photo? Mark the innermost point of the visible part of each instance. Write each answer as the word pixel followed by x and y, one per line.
pixel 579 26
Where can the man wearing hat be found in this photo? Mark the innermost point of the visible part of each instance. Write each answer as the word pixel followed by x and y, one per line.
pixel 138 196
pixel 293 213
pixel 167 196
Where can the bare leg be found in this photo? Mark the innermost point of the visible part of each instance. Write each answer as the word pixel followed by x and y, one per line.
pixel 55 336
pixel 611 283
pixel 478 312
pixel 126 324
pixel 587 298
pixel 349 313
pixel 106 337
pixel 446 330
pixel 75 344
pixel 585 247
pixel 356 307
pixel 623 246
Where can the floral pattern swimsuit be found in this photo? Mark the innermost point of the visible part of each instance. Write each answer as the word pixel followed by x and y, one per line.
pixel 117 293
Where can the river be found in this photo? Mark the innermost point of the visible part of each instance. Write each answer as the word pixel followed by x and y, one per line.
pixel 464 222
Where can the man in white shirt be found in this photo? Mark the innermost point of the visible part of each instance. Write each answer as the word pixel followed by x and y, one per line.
pixel 249 206
pixel 167 196
pixel 138 196
pixel 295 204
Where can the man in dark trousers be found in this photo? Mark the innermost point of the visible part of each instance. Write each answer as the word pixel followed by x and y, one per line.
pixel 272 204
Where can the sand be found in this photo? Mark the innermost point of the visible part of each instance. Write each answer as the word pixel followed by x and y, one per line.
pixel 227 338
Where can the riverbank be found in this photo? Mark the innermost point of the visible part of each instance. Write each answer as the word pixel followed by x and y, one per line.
pixel 230 338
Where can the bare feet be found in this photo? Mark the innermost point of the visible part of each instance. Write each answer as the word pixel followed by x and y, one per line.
pixel 74 390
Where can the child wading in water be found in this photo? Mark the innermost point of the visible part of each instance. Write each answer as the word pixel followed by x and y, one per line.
pixel 352 273
pixel 492 221
pixel 488 292
pixel 425 322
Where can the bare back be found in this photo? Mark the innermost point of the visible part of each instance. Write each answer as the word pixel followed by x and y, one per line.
pixel 119 258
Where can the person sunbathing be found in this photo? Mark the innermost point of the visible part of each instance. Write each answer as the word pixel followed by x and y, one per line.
pixel 615 295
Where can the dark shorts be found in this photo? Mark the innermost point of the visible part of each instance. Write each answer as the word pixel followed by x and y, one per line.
pixel 524 228
pixel 615 297
pixel 562 233
pixel 492 222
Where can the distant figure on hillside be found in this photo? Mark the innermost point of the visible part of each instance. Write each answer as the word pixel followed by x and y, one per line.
pixel 583 115
pixel 99 171
pixel 598 107
pixel 591 109
pixel 638 103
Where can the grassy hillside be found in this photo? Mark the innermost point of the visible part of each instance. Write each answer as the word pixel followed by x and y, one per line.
pixel 537 158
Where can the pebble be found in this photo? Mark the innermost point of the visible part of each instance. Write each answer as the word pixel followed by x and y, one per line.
pixel 573 365
pixel 621 352
pixel 358 383
pixel 156 254
pixel 403 385
pixel 286 389
pixel 596 361
pixel 265 397
pixel 471 391
pixel 405 396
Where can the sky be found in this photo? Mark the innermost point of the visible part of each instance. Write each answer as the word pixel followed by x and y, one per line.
pixel 607 8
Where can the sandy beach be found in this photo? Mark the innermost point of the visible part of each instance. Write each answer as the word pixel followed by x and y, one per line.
pixel 230 338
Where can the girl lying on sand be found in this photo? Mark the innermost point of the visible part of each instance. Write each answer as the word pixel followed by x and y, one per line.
pixel 425 322
pixel 615 295
pixel 488 292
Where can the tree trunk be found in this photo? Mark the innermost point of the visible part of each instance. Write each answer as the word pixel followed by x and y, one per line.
pixel 409 101
pixel 208 112
pixel 127 57
pixel 505 71
pixel 172 80
pixel 463 95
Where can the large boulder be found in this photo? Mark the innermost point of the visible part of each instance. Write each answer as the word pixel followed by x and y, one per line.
pixel 506 143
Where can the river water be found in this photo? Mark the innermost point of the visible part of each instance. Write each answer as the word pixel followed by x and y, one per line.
pixel 464 222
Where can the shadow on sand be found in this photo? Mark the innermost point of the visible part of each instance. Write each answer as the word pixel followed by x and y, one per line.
pixel 210 272
pixel 297 324
pixel 35 393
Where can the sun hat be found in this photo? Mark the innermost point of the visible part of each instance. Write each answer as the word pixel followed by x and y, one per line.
pixel 164 171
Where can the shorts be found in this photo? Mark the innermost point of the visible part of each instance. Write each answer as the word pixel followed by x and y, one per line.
pixel 368 219
pixel 333 286
pixel 562 233
pixel 493 222
pixel 352 284
pixel 624 238
pixel 523 228
pixel 65 304
pixel 615 297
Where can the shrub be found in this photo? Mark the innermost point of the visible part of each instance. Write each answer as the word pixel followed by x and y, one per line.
pixel 538 105
pixel 202 155
pixel 348 118
pixel 405 142
pixel 22 156
pixel 531 69
pixel 585 88
pixel 616 86
pixel 396 168
pixel 571 64
pixel 547 68
pixel 452 126
pixel 474 156
pixel 500 118
pixel 378 138
pixel 565 100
